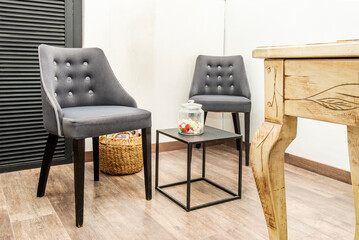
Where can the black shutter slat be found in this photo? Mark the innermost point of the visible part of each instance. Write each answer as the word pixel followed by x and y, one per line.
pixel 44 23
pixel 9 40
pixel 30 10
pixel 16 61
pixel 24 24
pixel 30 37
pixel 54 2
pixel 11 134
pixel 19 107
pixel 39 148
pixel 19 124
pixel 10 70
pixel 22 111
pixel 17 65
pixel 23 144
pixel 16 121
pixel 20 138
pixel 11 58
pixel 20 84
pixel 32 26
pixel 24 135
pixel 27 16
pixel 20 93
pixel 34 156
pixel 17 129
pixel 29 33
pixel 36 74
pixel 7 91
pixel 27 160
pixel 33 7
pixel 43 4
pixel 24 156
pixel 13 54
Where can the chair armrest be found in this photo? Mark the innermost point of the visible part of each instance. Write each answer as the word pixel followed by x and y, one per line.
pixel 112 92
pixel 52 114
pixel 119 96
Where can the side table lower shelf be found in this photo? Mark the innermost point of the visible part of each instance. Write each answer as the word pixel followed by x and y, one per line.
pixel 235 196
pixel 187 206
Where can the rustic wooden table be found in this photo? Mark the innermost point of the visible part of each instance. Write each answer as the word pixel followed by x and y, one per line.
pixel 316 81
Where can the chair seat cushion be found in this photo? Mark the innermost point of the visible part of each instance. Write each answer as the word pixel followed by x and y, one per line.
pixel 223 103
pixel 93 121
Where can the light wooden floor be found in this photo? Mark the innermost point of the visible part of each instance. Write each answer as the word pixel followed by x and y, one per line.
pixel 115 207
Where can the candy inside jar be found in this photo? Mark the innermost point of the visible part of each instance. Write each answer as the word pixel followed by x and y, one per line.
pixel 189 126
pixel 191 119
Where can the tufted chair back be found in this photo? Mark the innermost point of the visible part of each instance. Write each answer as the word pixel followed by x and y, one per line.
pixel 72 77
pixel 220 76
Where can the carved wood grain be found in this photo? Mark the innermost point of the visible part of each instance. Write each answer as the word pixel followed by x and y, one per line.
pixel 323 89
pixel 267 155
pixel 319 50
pixel 273 82
pixel 353 145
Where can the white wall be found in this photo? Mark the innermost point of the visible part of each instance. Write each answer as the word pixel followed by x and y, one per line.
pixel 124 30
pixel 183 30
pixel 152 46
pixel 264 23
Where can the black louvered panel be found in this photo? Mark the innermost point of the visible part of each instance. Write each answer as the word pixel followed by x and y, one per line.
pixel 24 24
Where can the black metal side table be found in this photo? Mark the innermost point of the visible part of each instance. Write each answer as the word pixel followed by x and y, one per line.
pixel 210 135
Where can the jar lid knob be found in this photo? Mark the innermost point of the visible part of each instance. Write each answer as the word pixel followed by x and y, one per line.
pixel 190 101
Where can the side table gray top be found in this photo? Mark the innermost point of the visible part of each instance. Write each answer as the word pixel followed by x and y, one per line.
pixel 210 134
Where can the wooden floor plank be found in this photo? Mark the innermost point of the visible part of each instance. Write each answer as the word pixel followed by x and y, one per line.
pixel 40 228
pixel 20 193
pixel 115 207
pixel 5 224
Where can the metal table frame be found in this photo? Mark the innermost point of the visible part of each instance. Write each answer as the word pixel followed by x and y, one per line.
pixel 188 207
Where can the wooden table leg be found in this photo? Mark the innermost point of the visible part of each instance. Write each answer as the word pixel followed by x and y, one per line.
pixel 267 156
pixel 353 144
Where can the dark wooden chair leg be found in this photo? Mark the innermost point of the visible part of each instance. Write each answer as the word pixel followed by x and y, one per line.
pixel 205 117
pixel 46 163
pixel 247 127
pixel 96 166
pixel 79 171
pixel 146 150
pixel 237 128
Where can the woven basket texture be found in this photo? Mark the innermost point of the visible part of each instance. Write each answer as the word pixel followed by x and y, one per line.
pixel 120 156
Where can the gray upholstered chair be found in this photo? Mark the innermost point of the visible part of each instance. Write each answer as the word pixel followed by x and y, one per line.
pixel 220 84
pixel 81 98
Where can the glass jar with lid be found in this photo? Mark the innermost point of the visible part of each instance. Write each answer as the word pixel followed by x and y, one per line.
pixel 191 119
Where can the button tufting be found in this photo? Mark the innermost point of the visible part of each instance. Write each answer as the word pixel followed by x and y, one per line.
pixel 219 86
pixel 55 63
pixel 207 76
pixel 219 77
pixel 208 66
pixel 55 94
pixel 230 76
pixel 206 85
pixel 230 66
pixel 87 78
pixel 69 79
pixel 86 63
pixel 68 64
pixel 219 67
pixel 90 92
pixel 232 86
pixel 70 94
pixel 55 78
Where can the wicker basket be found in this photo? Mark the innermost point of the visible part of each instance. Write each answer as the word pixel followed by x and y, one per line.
pixel 120 156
